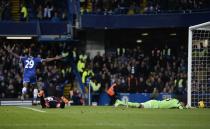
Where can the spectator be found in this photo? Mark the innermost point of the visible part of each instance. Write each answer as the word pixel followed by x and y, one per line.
pixel 132 83
pixel 81 65
pixel 77 97
pixel 6 10
pixel 39 14
pixel 55 18
pixel 1 11
pixel 64 17
pixel 112 92
pixel 24 12
pixel 141 85
pixel 131 10
pixel 48 11
pixel 95 88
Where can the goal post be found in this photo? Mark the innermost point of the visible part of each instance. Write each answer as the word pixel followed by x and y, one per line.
pixel 198 84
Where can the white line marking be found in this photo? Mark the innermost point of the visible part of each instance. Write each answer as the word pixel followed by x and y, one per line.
pixel 33 109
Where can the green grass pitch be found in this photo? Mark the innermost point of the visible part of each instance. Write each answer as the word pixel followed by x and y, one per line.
pixel 84 117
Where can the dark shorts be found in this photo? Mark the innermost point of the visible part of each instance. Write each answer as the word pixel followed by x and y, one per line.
pixel 29 79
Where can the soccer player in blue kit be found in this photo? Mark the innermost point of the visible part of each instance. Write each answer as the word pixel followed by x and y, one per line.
pixel 30 64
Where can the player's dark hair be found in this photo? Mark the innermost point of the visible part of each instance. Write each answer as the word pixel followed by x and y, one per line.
pixel 62 105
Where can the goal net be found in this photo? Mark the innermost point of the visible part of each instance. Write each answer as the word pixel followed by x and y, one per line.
pixel 199 64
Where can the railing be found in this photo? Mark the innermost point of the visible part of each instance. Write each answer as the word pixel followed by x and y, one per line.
pixel 30 28
pixel 164 20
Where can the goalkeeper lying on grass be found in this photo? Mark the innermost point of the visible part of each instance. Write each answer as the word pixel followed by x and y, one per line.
pixel 52 101
pixel 167 104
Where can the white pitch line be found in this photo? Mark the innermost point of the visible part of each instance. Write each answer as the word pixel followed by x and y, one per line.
pixel 33 109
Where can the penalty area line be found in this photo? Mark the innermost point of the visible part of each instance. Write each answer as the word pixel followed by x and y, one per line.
pixel 33 109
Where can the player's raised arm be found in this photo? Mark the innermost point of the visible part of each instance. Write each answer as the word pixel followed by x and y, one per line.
pixel 52 59
pixel 8 49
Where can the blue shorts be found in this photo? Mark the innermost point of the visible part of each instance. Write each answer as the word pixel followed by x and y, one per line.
pixel 29 79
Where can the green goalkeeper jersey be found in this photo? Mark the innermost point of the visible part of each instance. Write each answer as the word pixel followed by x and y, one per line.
pixel 167 103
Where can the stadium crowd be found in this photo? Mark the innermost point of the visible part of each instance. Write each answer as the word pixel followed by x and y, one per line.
pixel 131 7
pixel 54 10
pixel 4 10
pixel 162 70
pixel 50 10
pixel 46 10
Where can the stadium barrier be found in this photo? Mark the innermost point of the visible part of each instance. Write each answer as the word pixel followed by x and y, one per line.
pixel 35 29
pixel 133 97
pixel 142 97
pixel 104 99
pixel 144 21
pixel 16 103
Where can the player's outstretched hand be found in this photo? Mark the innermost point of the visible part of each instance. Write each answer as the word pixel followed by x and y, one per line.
pixel 58 57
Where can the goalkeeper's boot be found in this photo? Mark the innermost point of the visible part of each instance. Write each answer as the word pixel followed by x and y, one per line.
pixel 118 103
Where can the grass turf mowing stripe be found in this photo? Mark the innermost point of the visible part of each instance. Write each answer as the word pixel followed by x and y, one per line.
pixel 33 109
pixel 100 124
pixel 85 117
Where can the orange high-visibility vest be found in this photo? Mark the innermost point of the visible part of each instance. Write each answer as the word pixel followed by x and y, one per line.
pixel 110 91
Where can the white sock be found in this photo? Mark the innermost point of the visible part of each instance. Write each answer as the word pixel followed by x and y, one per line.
pixel 24 90
pixel 35 94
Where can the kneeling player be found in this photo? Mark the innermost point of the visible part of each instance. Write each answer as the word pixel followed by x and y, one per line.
pixel 52 102
pixel 167 104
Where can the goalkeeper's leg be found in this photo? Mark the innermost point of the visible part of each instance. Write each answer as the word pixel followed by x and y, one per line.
pixel 134 105
pixel 42 101
pixel 129 104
